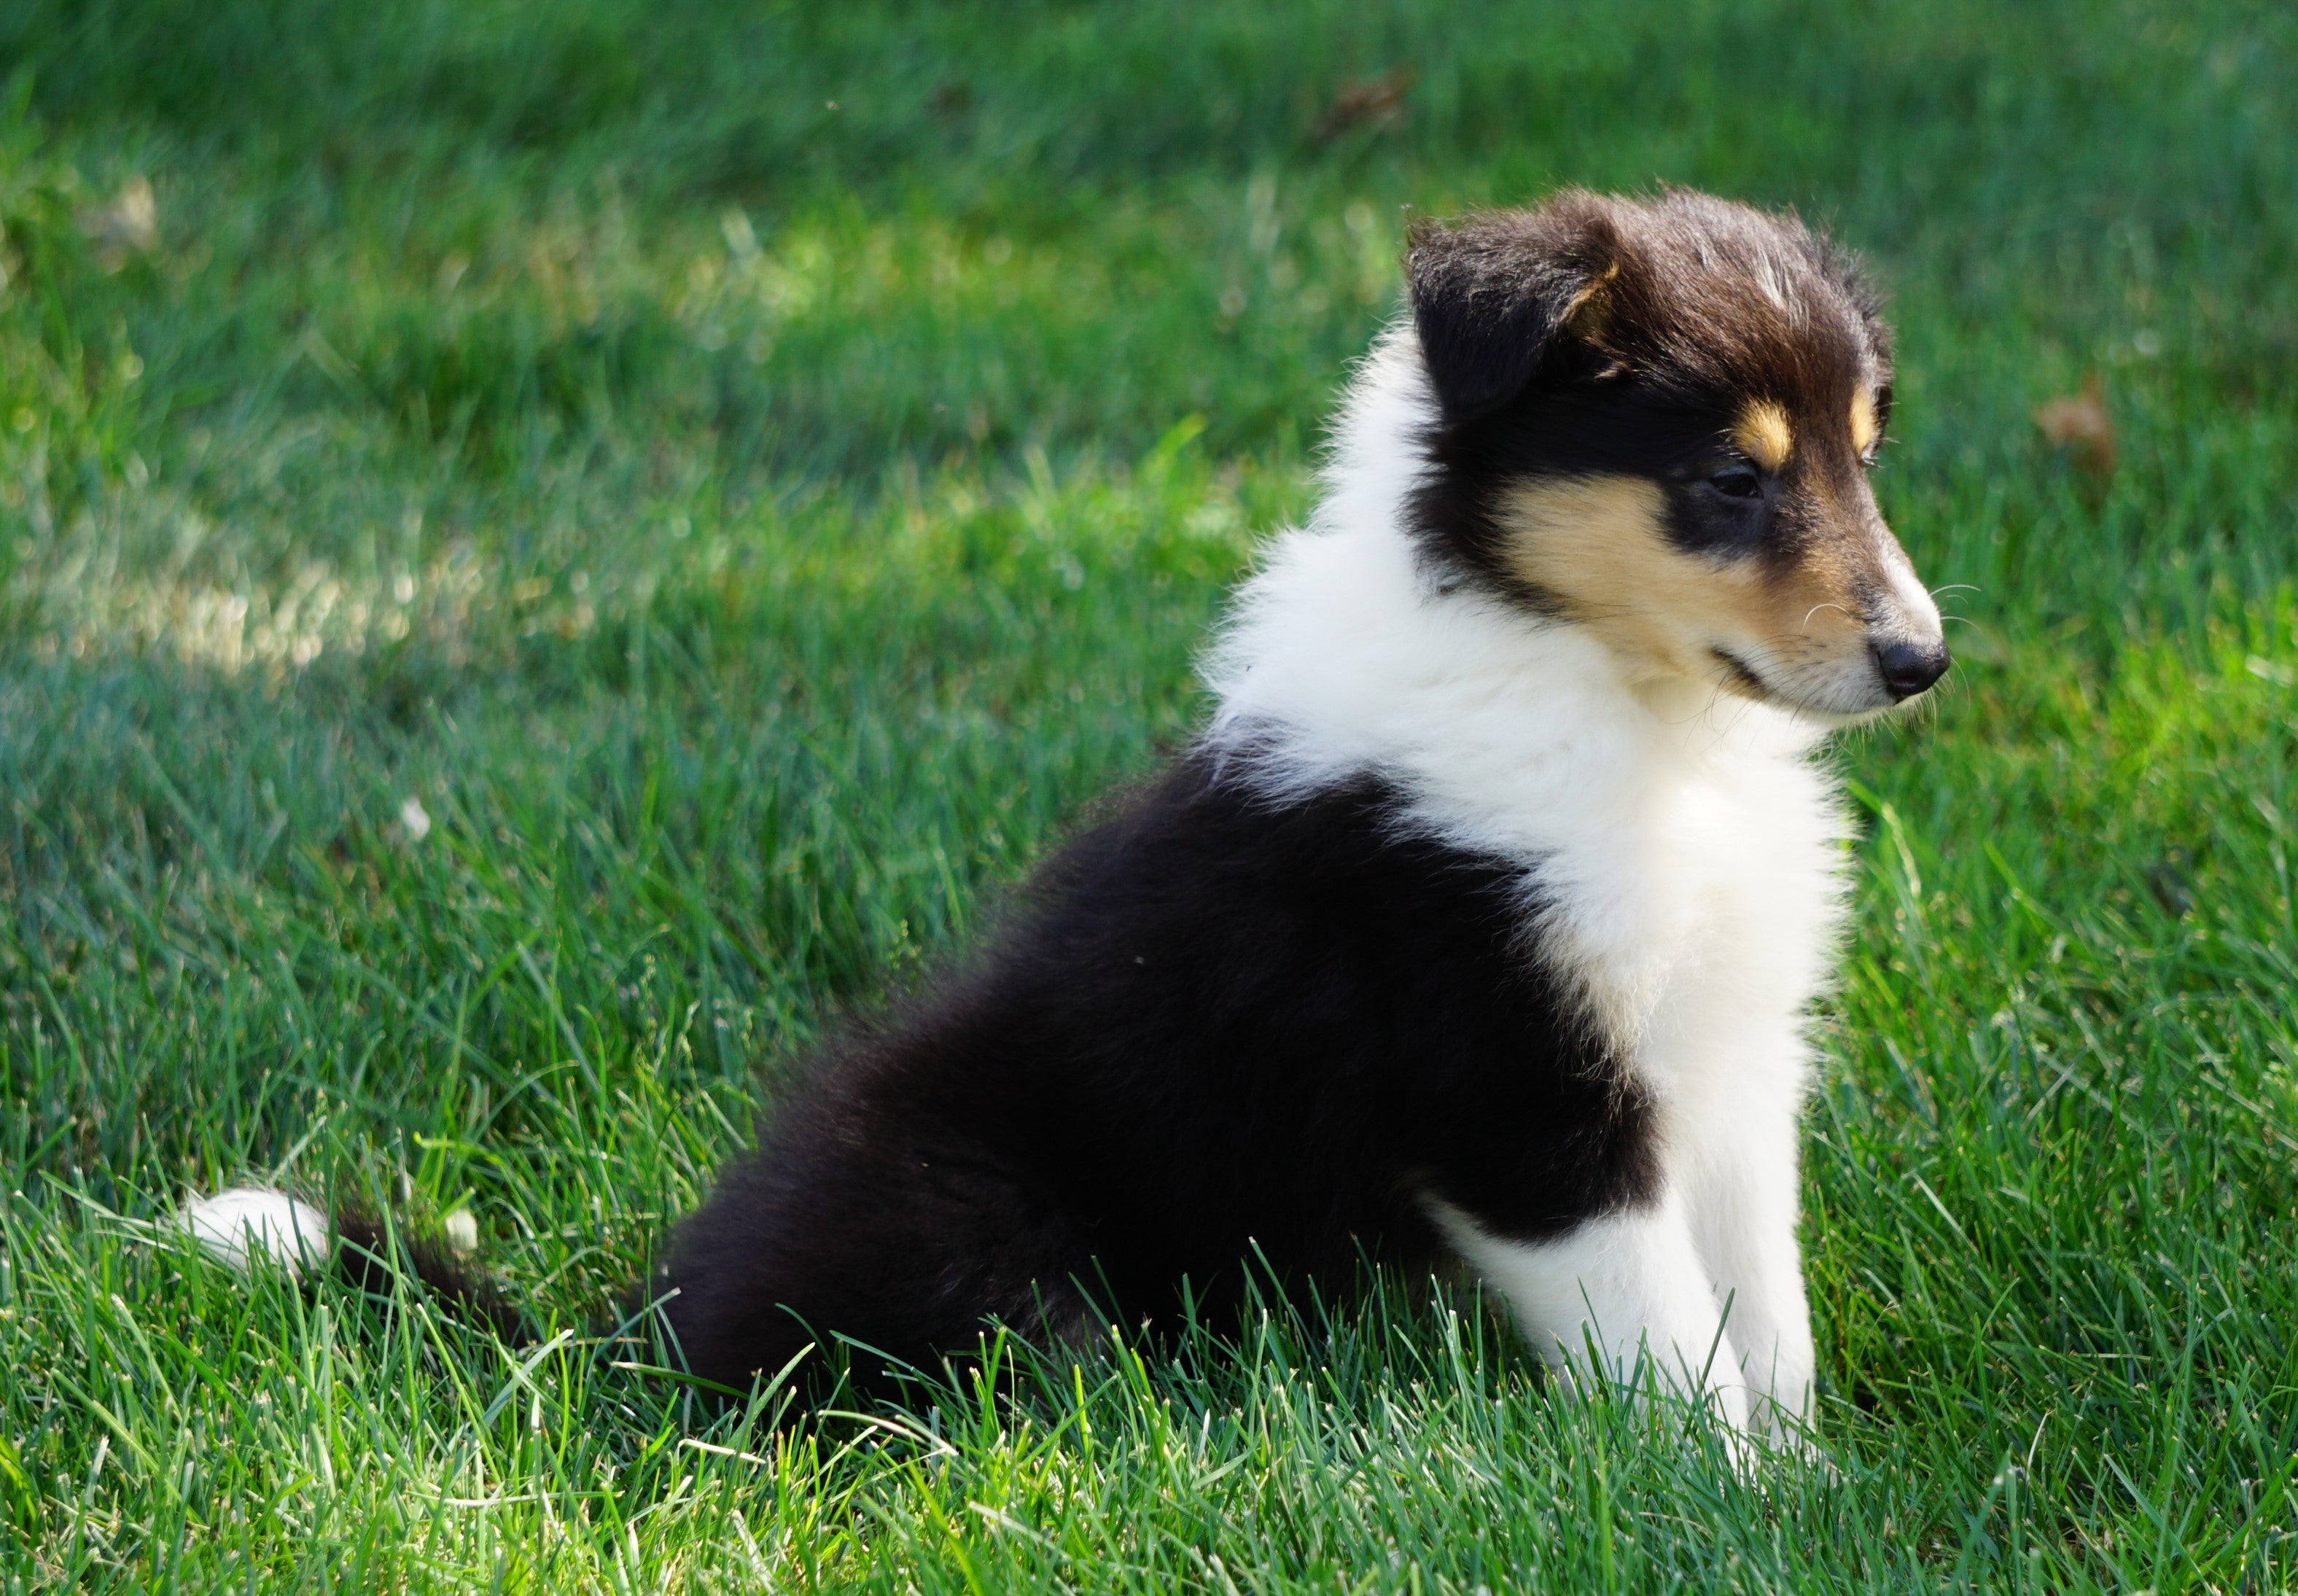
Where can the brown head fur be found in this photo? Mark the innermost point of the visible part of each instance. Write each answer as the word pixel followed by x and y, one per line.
pixel 1656 419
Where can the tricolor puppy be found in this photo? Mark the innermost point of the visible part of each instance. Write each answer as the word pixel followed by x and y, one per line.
pixel 1481 921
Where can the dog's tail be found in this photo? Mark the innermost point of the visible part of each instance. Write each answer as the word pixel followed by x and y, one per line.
pixel 247 1227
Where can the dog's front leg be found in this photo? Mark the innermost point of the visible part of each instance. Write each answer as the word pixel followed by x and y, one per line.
pixel 1742 1199
pixel 1622 1289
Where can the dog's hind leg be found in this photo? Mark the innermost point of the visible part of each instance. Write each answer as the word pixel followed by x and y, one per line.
pixel 903 1247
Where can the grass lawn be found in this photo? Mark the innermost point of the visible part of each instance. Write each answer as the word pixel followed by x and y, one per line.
pixel 546 552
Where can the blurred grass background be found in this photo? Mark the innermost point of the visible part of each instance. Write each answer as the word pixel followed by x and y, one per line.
pixel 545 552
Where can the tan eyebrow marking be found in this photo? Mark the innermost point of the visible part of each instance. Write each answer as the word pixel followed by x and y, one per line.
pixel 1862 421
pixel 1764 434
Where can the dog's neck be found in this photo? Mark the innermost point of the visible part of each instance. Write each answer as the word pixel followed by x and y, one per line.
pixel 1347 653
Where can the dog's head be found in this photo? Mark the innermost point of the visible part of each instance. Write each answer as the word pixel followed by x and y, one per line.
pixel 1656 420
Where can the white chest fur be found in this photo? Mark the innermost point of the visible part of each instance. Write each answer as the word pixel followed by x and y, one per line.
pixel 1700 929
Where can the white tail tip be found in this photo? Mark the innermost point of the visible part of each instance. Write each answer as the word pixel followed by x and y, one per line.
pixel 246 1223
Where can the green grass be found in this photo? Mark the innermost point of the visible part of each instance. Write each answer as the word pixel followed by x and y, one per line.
pixel 755 474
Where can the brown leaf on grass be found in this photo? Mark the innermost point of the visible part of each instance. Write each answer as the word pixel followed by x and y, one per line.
pixel 2078 423
pixel 1369 103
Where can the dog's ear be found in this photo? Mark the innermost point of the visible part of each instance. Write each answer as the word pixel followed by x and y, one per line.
pixel 1495 295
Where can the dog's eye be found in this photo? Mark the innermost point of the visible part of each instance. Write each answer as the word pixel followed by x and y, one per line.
pixel 1738 482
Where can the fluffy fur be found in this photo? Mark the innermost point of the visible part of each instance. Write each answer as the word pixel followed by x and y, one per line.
pixel 1481 921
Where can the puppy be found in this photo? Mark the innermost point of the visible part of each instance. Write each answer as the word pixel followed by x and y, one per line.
pixel 1481 921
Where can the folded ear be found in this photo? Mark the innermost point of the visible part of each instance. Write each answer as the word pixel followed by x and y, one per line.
pixel 1492 295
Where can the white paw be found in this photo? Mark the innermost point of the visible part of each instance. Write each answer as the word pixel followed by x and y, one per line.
pixel 246 1223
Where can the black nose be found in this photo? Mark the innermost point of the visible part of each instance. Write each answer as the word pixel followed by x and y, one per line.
pixel 1909 667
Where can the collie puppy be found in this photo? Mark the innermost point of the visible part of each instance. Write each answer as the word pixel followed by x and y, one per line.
pixel 1481 921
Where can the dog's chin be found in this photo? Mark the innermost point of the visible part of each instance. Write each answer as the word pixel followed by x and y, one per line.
pixel 1834 719
pixel 1835 709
